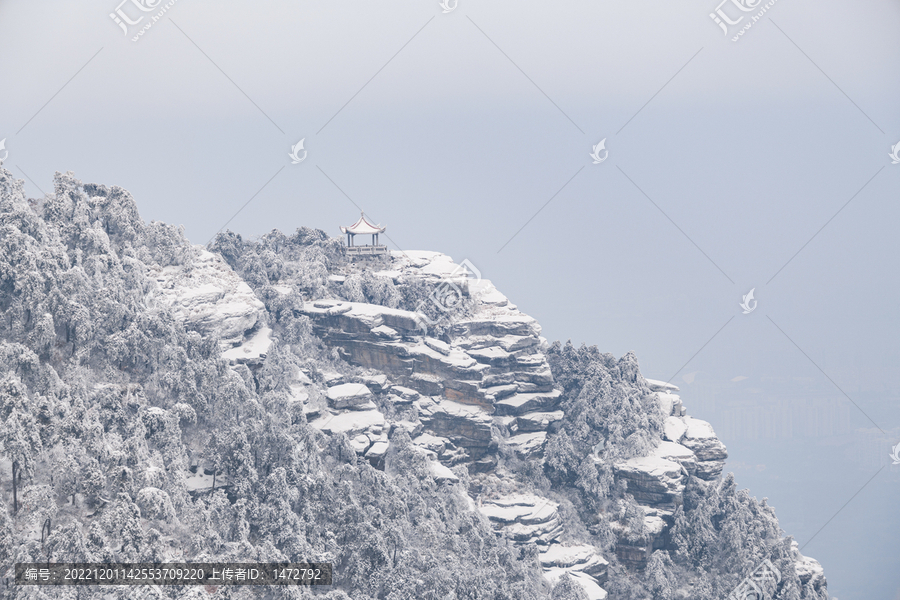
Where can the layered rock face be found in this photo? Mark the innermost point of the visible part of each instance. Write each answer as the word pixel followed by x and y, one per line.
pixel 489 369
pixel 489 364
pixel 532 519
pixel 657 481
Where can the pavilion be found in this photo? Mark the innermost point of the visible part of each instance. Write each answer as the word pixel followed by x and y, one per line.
pixel 364 227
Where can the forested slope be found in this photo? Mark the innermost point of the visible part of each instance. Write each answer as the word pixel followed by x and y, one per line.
pixel 164 402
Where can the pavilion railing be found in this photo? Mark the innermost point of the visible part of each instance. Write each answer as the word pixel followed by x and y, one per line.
pixel 366 250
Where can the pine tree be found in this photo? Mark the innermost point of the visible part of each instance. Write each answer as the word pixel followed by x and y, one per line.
pixel 568 589
pixel 660 576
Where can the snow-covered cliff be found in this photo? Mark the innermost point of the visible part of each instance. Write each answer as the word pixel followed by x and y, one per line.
pixel 276 399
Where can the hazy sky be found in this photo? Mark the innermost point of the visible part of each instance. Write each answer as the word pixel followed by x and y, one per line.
pixel 762 163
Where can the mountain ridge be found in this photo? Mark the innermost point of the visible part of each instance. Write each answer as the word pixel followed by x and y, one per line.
pixel 287 370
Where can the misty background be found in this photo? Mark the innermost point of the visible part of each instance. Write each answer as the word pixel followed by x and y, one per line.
pixel 759 164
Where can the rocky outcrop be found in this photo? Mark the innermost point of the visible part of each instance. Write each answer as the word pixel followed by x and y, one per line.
pixel 654 481
pixel 472 391
pixel 488 364
pixel 524 518
pixel 634 548
pixel 582 557
pixel 209 297
pixel 467 426
pixel 710 452
pixel 532 519
pixel 809 570
pixel 689 448
pixel 350 395
pixel 695 435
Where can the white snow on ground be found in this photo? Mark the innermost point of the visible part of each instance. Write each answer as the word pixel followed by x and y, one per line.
pixel 391 274
pixel 332 378
pixel 430 442
pixel 670 404
pixel 416 258
pixel 659 386
pixel 654 525
pixel 200 481
pixel 437 345
pixel 518 507
pixel 528 444
pixel 588 583
pixel 348 390
pixel 539 421
pixel 351 422
pixel 443 266
pixel 579 557
pixel 368 314
pixel 378 450
pixel 698 429
pixel 454 357
pixel 360 443
pixel 456 409
pixel 350 395
pixel 654 466
pixel 441 473
pixel 523 402
pixel 253 348
pixel 674 429
pixel 485 291
pixel 671 450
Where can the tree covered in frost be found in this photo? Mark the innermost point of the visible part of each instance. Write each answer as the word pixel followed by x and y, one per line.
pixel 719 535
pixel 610 415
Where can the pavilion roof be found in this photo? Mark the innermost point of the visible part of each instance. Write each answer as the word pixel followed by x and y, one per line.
pixel 363 226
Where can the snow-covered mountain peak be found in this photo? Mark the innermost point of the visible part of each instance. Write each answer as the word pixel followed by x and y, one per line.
pixel 395 415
